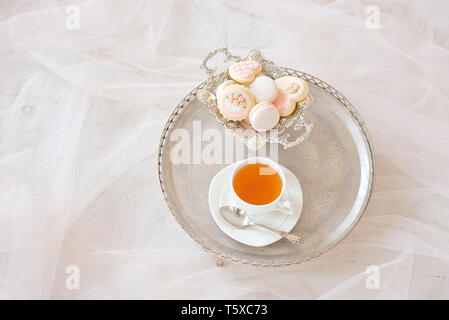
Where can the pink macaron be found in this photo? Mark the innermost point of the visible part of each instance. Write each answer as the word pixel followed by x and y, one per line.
pixel 235 101
pixel 264 116
pixel 291 90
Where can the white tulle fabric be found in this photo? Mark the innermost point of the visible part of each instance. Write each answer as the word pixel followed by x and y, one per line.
pixel 81 113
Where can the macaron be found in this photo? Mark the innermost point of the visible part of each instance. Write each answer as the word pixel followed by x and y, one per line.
pixel 291 90
pixel 263 89
pixel 235 102
pixel 264 116
pixel 221 87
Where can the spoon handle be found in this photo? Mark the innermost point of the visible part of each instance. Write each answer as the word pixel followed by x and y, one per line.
pixel 293 238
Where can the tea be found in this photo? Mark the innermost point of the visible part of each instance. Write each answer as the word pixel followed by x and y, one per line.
pixel 257 184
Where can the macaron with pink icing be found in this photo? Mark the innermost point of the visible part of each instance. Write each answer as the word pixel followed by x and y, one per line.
pixel 244 71
pixel 235 102
pixel 291 90
pixel 264 116
pixel 221 87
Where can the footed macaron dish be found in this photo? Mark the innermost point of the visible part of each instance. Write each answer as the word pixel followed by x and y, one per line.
pixel 321 179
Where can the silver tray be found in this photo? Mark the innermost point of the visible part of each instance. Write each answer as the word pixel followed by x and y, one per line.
pixel 335 165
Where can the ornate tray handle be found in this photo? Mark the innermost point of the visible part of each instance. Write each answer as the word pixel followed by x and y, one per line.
pixel 252 138
pixel 228 57
pixel 301 123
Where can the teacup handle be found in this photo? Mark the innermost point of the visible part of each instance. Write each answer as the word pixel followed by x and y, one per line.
pixel 286 207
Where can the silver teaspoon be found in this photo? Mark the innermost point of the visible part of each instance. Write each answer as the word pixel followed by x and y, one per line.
pixel 240 219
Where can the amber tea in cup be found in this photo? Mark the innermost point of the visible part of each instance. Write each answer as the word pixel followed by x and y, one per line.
pixel 257 184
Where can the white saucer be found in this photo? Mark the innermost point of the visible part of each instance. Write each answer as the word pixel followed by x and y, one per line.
pixel 220 195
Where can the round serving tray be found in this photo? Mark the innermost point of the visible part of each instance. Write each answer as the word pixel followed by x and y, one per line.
pixel 335 165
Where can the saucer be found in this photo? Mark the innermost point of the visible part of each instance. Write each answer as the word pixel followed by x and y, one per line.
pixel 220 195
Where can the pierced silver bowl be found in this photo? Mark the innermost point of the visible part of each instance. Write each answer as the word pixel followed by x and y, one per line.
pixel 251 137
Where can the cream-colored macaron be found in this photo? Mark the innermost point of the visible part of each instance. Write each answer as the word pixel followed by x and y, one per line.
pixel 263 89
pixel 264 116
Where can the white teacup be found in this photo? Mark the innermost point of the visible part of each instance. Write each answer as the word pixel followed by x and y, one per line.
pixel 281 203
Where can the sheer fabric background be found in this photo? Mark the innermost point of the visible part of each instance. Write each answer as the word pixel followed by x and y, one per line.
pixel 81 111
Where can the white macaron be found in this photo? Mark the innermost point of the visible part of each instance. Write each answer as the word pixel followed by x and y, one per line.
pixel 263 89
pixel 264 116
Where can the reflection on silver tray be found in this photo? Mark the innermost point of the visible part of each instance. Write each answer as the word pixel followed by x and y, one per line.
pixel 335 165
